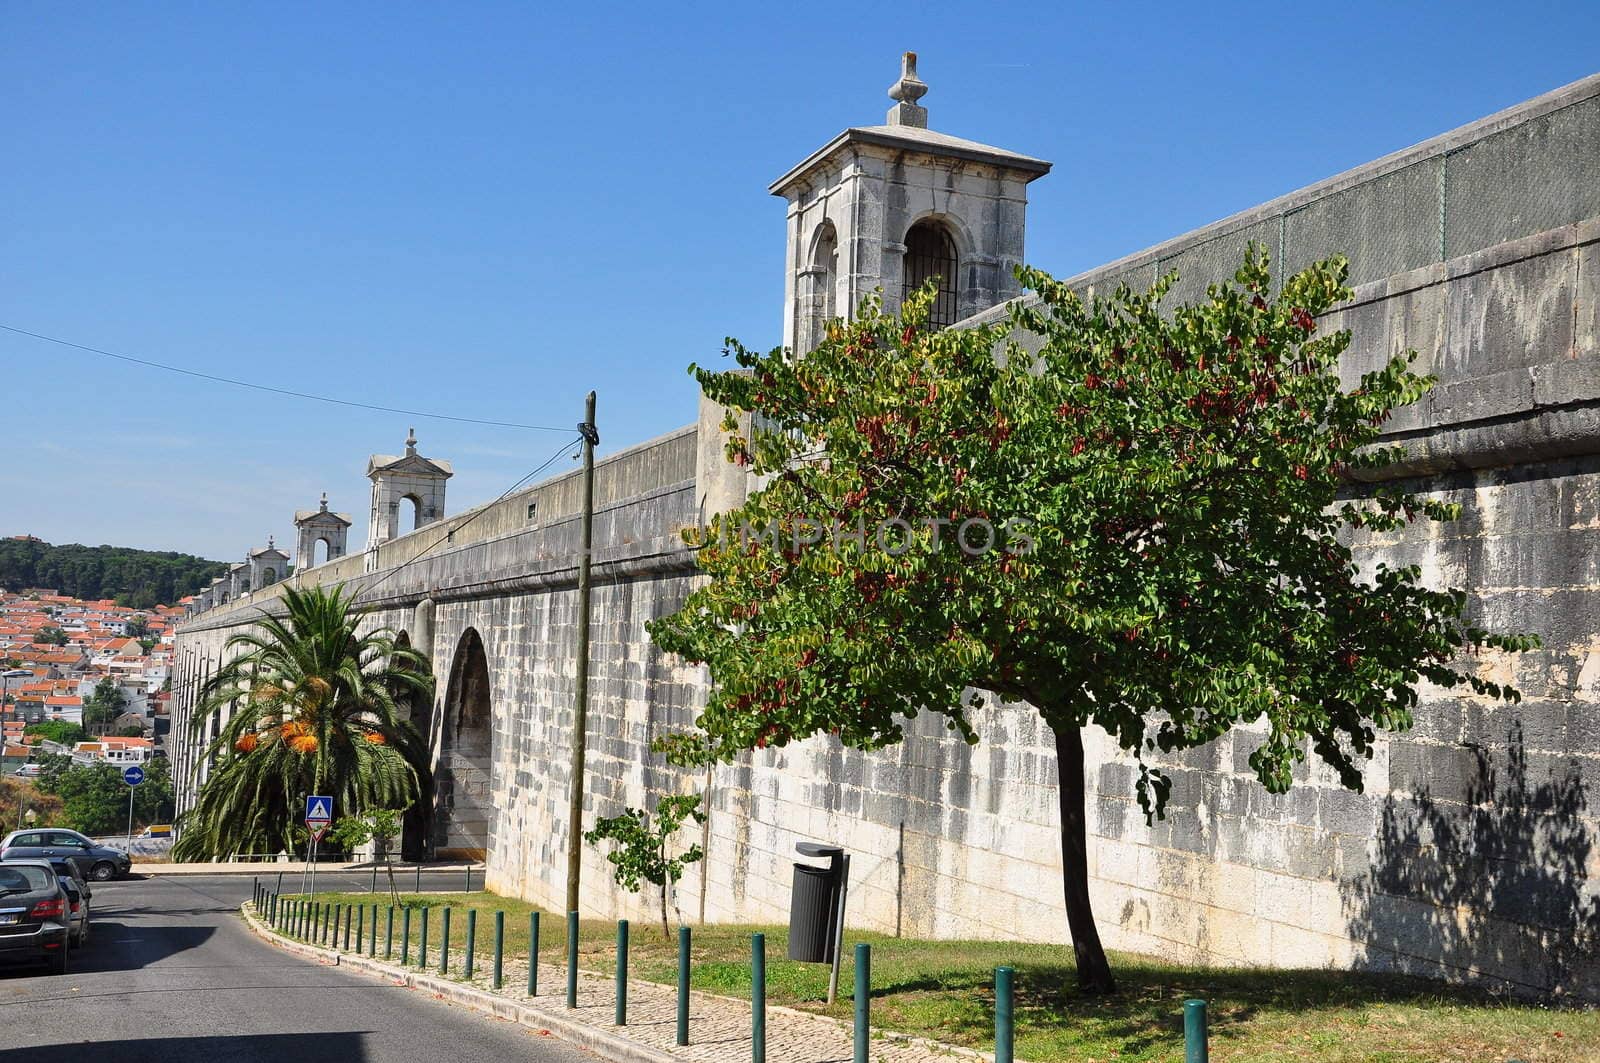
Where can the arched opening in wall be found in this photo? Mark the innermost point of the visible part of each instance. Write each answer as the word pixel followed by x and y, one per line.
pixel 464 806
pixel 268 577
pixel 416 512
pixel 244 584
pixel 930 253
pixel 414 824
pixel 821 278
pixel 321 552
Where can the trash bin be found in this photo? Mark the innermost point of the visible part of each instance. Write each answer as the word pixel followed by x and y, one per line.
pixel 814 904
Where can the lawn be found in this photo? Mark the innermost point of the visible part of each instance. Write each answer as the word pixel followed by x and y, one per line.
pixel 944 990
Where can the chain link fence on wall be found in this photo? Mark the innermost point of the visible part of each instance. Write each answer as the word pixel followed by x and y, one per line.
pixel 1535 175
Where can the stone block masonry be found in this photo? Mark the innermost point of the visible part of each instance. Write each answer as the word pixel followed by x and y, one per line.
pixel 1473 851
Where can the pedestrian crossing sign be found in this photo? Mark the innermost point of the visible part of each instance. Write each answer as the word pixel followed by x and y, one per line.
pixel 319 809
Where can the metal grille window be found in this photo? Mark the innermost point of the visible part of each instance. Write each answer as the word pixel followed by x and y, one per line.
pixel 930 253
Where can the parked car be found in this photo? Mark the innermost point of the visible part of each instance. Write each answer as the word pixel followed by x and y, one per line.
pixel 98 862
pixel 78 897
pixel 34 915
pixel 30 770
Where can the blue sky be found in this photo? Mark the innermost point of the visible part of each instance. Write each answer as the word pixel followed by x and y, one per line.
pixel 486 210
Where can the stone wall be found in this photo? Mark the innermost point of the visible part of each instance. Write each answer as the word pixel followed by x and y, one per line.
pixel 1474 851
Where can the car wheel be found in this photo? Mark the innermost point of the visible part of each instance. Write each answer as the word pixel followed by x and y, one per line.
pixel 102 871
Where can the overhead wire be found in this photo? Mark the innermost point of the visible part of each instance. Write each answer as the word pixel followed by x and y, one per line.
pixel 289 392
pixel 480 511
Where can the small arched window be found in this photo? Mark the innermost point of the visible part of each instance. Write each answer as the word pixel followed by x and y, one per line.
pixel 931 253
pixel 817 294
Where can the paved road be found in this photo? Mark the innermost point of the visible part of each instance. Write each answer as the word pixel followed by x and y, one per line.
pixel 171 975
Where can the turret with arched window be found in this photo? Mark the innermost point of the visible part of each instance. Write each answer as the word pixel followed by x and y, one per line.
pixel 889 207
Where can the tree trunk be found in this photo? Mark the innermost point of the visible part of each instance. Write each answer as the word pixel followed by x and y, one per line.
pixel 666 932
pixel 1094 972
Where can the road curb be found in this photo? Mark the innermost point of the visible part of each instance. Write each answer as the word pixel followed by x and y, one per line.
pixel 607 1045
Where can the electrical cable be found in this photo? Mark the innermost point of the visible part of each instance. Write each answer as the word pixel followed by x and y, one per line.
pixel 480 511
pixel 281 391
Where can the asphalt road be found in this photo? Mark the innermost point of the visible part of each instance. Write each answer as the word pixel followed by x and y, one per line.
pixel 172 975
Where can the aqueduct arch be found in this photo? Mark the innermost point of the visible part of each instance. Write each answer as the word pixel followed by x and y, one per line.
pixel 464 809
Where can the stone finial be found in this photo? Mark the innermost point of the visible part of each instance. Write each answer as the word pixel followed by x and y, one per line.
pixel 324 501
pixel 411 442
pixel 906 92
pixel 271 543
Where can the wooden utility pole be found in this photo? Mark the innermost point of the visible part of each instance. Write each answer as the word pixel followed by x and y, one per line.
pixel 580 708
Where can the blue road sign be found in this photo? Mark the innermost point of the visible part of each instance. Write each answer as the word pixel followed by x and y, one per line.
pixel 133 775
pixel 319 809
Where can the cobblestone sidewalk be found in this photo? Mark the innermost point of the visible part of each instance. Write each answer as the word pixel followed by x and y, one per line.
pixel 719 1027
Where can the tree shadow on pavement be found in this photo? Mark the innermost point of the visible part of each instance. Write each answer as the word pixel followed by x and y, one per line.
pixel 332 1047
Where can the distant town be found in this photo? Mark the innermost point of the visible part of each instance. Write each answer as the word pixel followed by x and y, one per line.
pixel 97 669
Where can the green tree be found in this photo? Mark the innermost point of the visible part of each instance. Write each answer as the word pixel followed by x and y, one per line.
pixel 94 797
pixel 50 636
pixel 104 706
pixel 138 626
pixel 313 706
pixel 57 731
pixel 379 825
pixel 1164 491
pixel 643 846
pixel 130 731
pixel 140 579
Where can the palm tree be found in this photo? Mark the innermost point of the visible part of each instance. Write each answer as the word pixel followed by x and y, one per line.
pixel 314 711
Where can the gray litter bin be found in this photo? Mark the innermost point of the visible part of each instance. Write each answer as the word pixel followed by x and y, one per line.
pixel 814 904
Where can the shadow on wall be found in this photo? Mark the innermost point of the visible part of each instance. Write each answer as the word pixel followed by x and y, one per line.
pixel 1488 888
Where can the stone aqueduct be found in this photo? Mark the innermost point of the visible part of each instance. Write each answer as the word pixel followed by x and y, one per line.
pixel 1474 851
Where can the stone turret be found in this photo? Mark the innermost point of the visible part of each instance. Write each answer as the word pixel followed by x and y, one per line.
pixel 401 478
pixel 319 525
pixel 894 205
pixel 266 565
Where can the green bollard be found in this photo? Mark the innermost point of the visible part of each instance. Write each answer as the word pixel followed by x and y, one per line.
pixel 863 1000
pixel 499 945
pixel 405 936
pixel 572 959
pixel 622 972
pixel 472 940
pixel 422 942
pixel 373 951
pixel 1195 1046
pixel 444 943
pixel 758 998
pixel 356 910
pixel 361 925
pixel 1004 1032
pixel 683 986
pixel 388 934
pixel 533 954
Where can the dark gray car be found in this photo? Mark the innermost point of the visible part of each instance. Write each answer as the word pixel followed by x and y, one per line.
pixel 35 919
pixel 98 862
